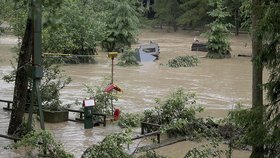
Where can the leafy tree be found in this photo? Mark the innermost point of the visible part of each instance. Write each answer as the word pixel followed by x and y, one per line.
pixel 234 8
pixel 218 35
pixel 121 29
pixel 5 13
pixel 194 13
pixel 245 12
pixel 78 28
pixel 257 73
pixel 26 49
pixel 51 84
pixel 167 12
pixel 261 123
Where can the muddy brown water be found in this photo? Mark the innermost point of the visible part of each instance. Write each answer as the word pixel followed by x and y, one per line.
pixel 219 85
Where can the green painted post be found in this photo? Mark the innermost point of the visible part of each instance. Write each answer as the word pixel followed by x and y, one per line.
pixel 88 117
pixel 36 69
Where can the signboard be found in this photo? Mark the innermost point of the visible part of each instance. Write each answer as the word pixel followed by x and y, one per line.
pixel 89 102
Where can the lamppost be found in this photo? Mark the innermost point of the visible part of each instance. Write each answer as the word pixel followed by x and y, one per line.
pixel 112 56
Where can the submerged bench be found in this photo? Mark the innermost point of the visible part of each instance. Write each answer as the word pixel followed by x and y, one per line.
pixel 81 116
pixel 9 103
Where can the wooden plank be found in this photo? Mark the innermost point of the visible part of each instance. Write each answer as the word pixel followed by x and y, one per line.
pixel 157 133
pixel 7 109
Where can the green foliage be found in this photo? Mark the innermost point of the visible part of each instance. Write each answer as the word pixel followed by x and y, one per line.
pixel 38 142
pixel 77 29
pixel 270 35
pixel 167 12
pixel 128 59
pixel 51 84
pixel 209 150
pixel 194 13
pixel 178 105
pixel 110 147
pixel 5 13
pixel 121 29
pixel 256 133
pixel 218 35
pixel 246 9
pixel 128 120
pixel 183 61
pixel 102 98
pixel 194 129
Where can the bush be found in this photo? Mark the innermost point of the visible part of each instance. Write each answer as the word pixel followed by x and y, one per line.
pixel 183 61
pixel 40 142
pixel 129 120
pixel 52 82
pixel 128 59
pixel 110 147
pixel 102 98
pixel 178 105
pixel 209 150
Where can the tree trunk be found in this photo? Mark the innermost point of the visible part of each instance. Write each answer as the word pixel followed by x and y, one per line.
pixel 257 91
pixel 21 82
pixel 237 21
pixel 148 4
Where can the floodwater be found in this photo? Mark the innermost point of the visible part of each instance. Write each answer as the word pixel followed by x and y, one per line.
pixel 219 85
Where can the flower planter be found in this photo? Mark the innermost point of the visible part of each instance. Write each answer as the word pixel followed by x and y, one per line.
pixel 55 116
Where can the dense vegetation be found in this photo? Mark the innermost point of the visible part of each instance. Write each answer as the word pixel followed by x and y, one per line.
pixel 78 27
pixel 183 61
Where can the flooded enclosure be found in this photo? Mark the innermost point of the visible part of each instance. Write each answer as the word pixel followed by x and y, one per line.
pixel 219 85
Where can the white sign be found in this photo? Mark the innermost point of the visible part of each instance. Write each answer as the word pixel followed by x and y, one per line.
pixel 89 102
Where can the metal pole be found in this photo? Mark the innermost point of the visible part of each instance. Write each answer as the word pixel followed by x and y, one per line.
pixel 112 105
pixel 112 71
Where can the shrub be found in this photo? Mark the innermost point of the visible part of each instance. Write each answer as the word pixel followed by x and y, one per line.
pixel 209 150
pixel 110 147
pixel 40 142
pixel 129 120
pixel 178 105
pixel 183 61
pixel 128 59
pixel 102 98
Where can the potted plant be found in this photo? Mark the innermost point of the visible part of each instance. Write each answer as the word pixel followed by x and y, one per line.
pixel 54 112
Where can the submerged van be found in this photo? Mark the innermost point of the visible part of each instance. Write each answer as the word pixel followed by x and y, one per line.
pixel 151 48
